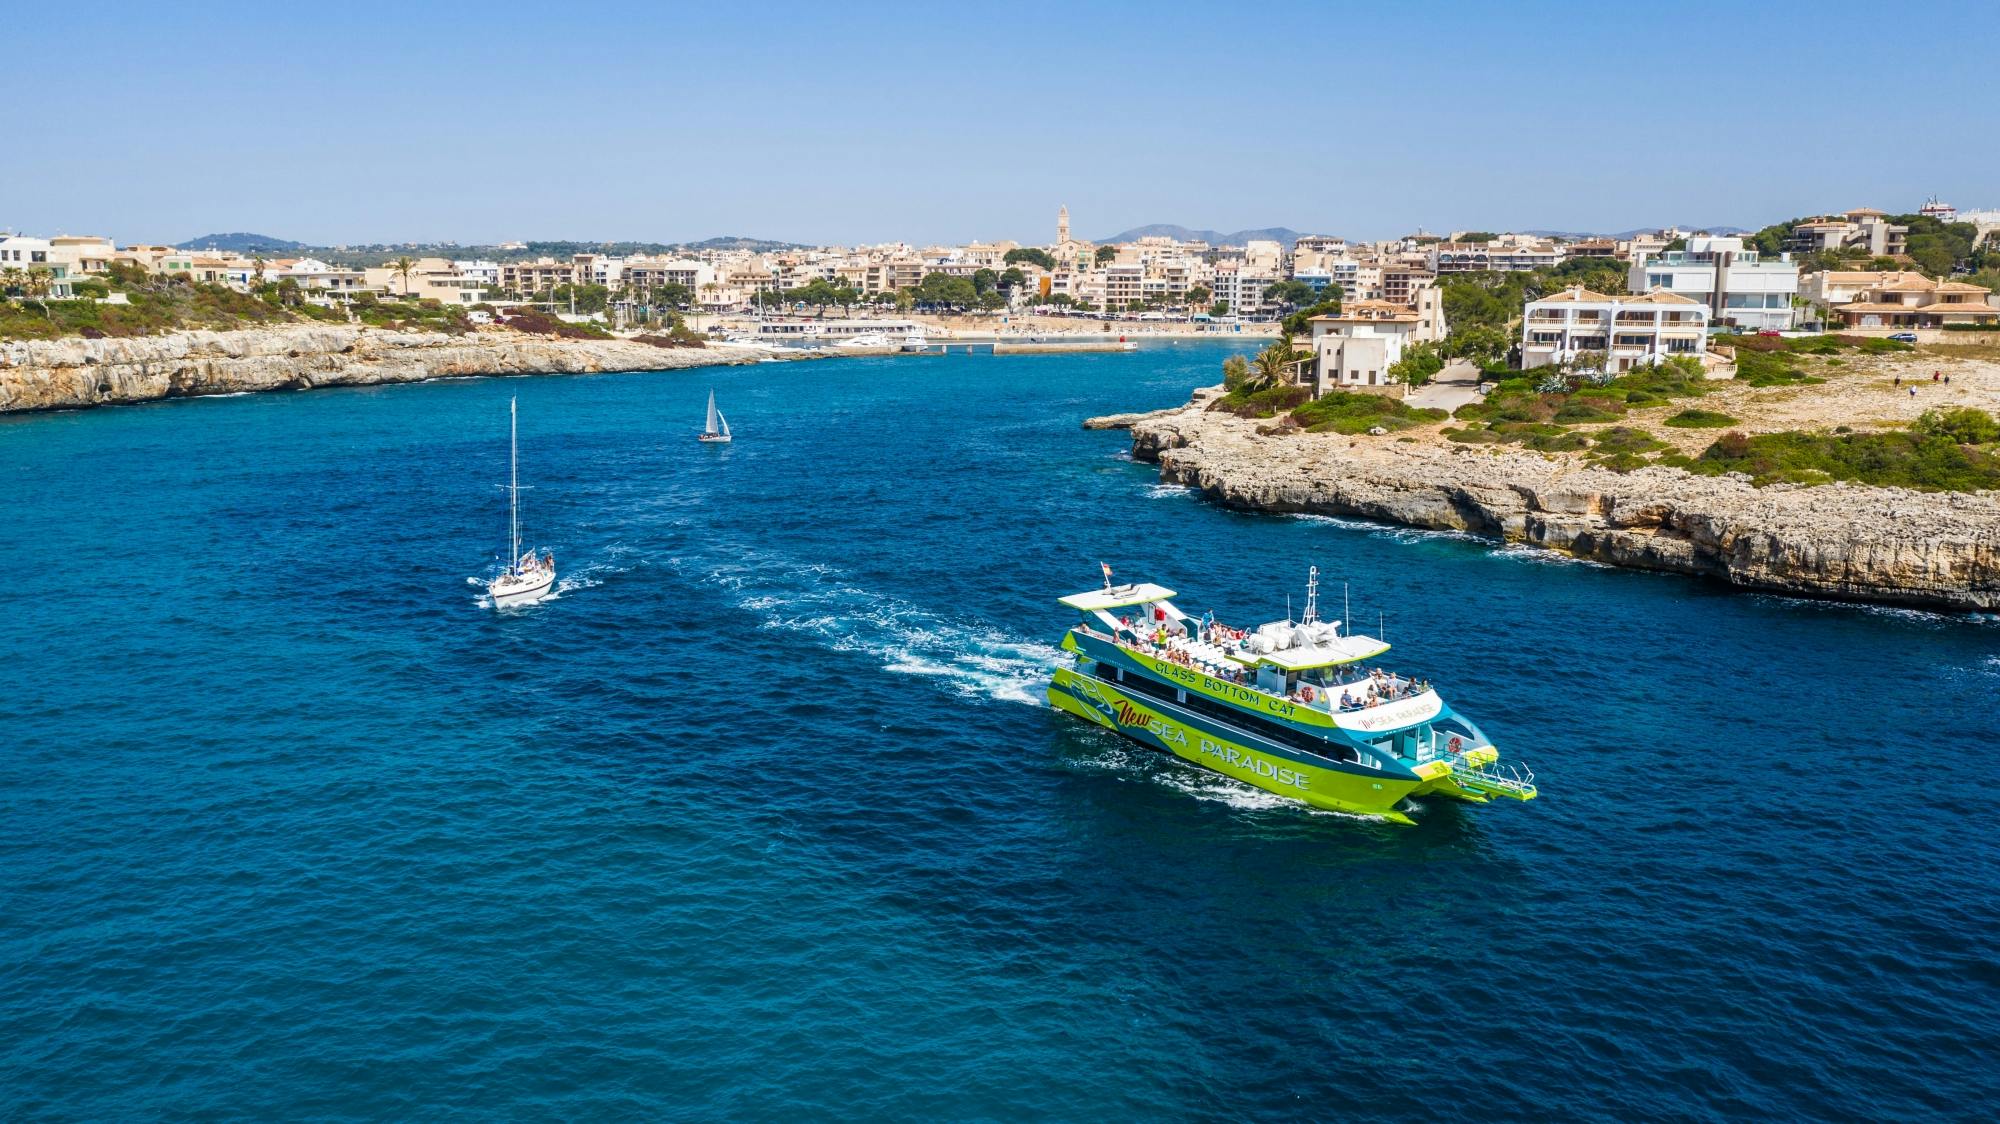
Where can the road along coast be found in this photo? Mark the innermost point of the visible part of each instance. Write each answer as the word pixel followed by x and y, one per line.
pixel 1931 549
pixel 75 373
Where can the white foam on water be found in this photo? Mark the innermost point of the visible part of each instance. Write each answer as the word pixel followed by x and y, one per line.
pixel 1893 612
pixel 967 657
pixel 1522 552
pixel 1152 766
pixel 1167 491
pixel 1386 530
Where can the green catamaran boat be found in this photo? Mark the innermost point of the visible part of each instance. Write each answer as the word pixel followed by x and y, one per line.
pixel 1293 707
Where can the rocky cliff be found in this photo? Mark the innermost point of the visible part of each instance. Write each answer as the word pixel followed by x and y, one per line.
pixel 1937 550
pixel 71 373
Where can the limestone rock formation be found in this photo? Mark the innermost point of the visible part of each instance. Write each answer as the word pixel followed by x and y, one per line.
pixel 1939 550
pixel 72 373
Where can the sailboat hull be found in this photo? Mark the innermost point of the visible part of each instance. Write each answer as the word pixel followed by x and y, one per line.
pixel 521 591
pixel 712 438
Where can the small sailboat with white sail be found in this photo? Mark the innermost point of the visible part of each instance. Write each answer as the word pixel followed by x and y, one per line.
pixel 529 576
pixel 717 432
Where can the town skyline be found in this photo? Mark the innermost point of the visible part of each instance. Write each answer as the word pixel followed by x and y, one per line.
pixel 387 123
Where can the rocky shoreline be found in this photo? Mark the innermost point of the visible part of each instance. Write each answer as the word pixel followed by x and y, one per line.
pixel 76 373
pixel 1891 545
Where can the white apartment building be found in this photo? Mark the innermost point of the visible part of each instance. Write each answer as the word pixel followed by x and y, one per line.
pixel 1863 227
pixel 1739 287
pixel 1632 331
pixel 485 272
pixel 19 252
pixel 311 273
pixel 1354 350
pixel 1242 285
pixel 1500 256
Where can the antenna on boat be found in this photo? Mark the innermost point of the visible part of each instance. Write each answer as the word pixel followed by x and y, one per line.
pixel 1346 613
pixel 1382 627
pixel 1312 596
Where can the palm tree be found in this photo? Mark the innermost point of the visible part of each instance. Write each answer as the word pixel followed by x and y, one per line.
pixel 1274 363
pixel 40 283
pixel 403 265
pixel 12 278
pixel 257 270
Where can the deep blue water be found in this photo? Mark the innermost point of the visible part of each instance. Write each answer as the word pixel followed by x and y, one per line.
pixel 762 818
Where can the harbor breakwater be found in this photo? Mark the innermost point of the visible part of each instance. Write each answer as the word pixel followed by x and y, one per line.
pixel 75 373
pixel 1935 550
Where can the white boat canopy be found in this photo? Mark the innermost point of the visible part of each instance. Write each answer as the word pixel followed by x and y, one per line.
pixel 1117 597
pixel 1337 650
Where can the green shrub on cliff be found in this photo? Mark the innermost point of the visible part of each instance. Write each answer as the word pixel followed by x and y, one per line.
pixel 1700 419
pixel 1340 411
pixel 1266 403
pixel 1929 461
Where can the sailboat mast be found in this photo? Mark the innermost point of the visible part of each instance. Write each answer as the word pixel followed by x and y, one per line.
pixel 513 485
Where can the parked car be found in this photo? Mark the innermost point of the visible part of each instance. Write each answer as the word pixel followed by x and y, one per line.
pixel 1904 337
pixel 1773 332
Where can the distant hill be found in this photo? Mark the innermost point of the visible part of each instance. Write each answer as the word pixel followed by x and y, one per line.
pixel 240 243
pixel 1578 235
pixel 1212 237
pixel 728 242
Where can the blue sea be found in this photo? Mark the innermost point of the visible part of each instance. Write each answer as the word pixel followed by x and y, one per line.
pixel 763 817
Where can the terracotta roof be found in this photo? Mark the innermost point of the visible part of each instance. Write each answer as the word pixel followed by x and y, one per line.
pixel 1865 211
pixel 1660 295
pixel 1867 277
pixel 1572 295
pixel 1909 283
pixel 1961 287
pixel 1372 311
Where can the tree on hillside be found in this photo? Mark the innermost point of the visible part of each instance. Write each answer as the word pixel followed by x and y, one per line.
pixel 1032 256
pixel 1235 373
pixel 1012 278
pixel 1289 294
pixel 1106 253
pixel 1420 362
pixel 1300 322
pixel 1219 308
pixel 1198 295
pixel 1477 237
pixel 984 280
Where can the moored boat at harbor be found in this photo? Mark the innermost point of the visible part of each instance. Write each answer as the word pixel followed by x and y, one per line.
pixel 1298 708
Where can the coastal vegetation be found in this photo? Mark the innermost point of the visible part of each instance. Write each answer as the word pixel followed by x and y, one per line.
pixel 1339 411
pixel 1944 451
pixel 1934 247
pixel 1700 419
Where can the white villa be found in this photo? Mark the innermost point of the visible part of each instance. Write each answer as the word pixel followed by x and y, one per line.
pixel 1354 349
pixel 1738 286
pixel 1632 331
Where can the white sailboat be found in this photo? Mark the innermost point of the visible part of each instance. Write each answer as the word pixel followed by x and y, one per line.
pixel 718 426
pixel 529 576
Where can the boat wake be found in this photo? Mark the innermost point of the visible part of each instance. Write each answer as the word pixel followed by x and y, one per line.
pixel 1390 530
pixel 814 600
pixel 617 559
pixel 1167 491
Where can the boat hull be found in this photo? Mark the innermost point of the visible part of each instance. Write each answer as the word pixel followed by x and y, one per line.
pixel 521 595
pixel 711 439
pixel 1151 722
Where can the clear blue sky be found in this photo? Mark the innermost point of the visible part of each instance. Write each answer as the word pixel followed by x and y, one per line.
pixel 479 122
